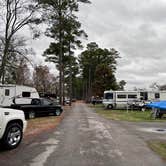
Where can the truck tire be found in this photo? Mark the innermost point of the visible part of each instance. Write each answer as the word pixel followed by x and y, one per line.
pixel 58 112
pixel 31 115
pixel 160 115
pixel 12 136
pixel 155 114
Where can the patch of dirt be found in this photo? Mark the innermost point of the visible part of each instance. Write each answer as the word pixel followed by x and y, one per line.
pixel 41 124
pixel 37 125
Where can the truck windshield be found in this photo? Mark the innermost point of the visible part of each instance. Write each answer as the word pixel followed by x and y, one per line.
pixel 108 96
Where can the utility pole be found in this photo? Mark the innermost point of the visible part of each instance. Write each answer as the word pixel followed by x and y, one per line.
pixel 89 84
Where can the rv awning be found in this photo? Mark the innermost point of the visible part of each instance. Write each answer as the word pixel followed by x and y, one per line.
pixel 157 104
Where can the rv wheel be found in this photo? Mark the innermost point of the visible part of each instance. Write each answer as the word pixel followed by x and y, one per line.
pixel 110 106
pixel 31 115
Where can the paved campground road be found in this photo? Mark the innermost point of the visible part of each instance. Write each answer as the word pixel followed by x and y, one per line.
pixel 84 138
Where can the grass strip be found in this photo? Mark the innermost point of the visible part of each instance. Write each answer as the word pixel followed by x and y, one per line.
pixel 124 115
pixel 158 147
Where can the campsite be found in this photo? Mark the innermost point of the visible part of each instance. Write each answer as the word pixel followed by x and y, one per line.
pixel 82 83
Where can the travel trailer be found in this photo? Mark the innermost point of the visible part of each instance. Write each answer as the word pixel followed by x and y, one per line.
pixel 9 94
pixel 122 99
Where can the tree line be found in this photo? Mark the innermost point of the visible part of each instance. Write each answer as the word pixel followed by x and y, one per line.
pixel 90 73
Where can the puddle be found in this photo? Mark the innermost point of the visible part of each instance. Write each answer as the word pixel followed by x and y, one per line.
pixel 154 130
pixel 161 130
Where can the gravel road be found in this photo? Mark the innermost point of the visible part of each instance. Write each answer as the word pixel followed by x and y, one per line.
pixel 84 138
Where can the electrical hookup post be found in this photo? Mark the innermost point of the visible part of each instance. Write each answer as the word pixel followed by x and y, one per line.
pixel 128 104
pixel 93 101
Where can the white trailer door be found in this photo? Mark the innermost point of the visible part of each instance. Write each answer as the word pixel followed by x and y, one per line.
pixel 1 122
pixel 7 97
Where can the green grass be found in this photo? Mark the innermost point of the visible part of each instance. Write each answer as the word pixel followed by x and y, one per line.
pixel 159 147
pixel 97 106
pixel 124 115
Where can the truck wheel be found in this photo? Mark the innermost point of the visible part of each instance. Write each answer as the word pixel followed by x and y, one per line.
pixel 160 115
pixel 13 136
pixel 110 106
pixel 31 115
pixel 57 112
pixel 154 114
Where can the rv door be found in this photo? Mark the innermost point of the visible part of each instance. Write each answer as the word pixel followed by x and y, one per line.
pixel 6 99
pixel 7 95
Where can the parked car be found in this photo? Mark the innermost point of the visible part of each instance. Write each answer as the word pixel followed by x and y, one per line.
pixel 67 101
pixel 12 126
pixel 38 107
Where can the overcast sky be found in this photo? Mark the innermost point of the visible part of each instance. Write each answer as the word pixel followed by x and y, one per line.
pixel 137 29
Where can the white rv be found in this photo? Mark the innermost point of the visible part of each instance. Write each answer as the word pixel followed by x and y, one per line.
pixel 121 99
pixel 8 93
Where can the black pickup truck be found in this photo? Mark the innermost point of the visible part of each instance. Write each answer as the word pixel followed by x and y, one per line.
pixel 38 107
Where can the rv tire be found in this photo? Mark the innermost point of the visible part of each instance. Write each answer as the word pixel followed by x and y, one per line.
pixel 110 106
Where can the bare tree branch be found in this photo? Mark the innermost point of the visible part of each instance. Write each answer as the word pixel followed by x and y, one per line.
pixel 18 13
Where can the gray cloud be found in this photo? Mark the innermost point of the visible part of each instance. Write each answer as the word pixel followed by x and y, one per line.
pixel 137 29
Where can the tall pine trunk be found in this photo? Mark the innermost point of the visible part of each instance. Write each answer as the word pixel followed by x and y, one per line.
pixel 70 77
pixel 60 54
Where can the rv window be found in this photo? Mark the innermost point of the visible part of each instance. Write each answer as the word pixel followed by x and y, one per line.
pixel 108 95
pixel 132 96
pixel 26 94
pixel 157 95
pixel 7 92
pixel 121 96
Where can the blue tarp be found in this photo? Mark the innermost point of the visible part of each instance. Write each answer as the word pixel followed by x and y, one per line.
pixel 157 104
